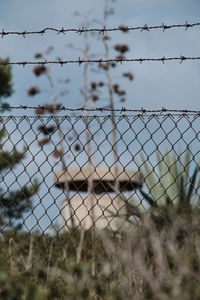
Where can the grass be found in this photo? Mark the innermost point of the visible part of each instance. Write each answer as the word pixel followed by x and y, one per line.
pixel 141 262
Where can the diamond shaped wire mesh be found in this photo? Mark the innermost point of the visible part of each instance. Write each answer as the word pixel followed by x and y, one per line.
pixel 79 188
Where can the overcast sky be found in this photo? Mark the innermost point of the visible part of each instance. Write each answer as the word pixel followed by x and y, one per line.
pixel 171 85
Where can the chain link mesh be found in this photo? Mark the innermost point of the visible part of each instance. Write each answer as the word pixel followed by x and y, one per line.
pixel 80 191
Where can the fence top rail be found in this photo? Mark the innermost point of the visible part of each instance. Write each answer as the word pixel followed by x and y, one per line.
pixel 104 116
pixel 103 30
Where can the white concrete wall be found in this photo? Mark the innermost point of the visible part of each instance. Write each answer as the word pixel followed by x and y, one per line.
pixel 104 210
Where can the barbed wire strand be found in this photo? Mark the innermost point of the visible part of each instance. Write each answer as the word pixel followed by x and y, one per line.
pixel 122 28
pixel 99 61
pixel 103 109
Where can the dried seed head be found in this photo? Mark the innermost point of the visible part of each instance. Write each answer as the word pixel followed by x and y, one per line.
pixel 128 75
pixel 39 70
pixel 57 153
pixel 106 37
pixel 101 83
pixel 121 93
pixel 121 48
pixel 33 91
pixel 123 28
pixel 93 85
pixel 116 87
pixel 104 66
pixel 39 111
pixel 51 129
pixel 43 142
pixel 40 127
pixel 120 57
pixel 113 65
pixel 46 130
pixel 50 108
pixel 58 106
pixel 95 97
pixel 77 147
pixel 38 55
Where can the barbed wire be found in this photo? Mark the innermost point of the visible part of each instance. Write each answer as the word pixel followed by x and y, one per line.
pixel 122 28
pixel 99 61
pixel 105 109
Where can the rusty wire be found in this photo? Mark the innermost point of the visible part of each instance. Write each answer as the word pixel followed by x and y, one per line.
pixel 122 28
pixel 79 61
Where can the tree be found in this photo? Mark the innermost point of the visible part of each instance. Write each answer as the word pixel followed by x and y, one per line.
pixel 13 204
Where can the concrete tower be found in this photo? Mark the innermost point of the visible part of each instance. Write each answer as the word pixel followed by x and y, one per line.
pixel 101 208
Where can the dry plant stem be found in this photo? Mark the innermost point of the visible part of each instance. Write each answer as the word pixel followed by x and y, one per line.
pixel 71 211
pixel 29 263
pixel 109 85
pixel 49 261
pixel 80 246
pixel 88 139
pixel 53 97
pixel 12 262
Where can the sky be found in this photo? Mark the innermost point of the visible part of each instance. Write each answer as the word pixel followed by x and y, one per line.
pixel 171 85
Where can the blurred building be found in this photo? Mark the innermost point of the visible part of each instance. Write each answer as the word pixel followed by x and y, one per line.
pixel 91 196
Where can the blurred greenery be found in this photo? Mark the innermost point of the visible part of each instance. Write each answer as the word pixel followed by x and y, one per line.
pixel 36 266
pixel 138 262
pixel 13 203
pixel 6 85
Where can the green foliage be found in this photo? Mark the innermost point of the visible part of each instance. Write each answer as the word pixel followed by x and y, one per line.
pixel 173 188
pixel 6 89
pixel 141 263
pixel 174 182
pixel 8 159
pixel 39 267
pixel 13 203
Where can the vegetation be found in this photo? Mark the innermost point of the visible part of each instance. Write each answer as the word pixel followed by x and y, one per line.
pixel 6 88
pixel 143 261
pixel 13 203
pixel 156 258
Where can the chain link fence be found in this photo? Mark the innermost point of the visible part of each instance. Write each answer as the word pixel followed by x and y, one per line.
pixel 153 152
pixel 60 179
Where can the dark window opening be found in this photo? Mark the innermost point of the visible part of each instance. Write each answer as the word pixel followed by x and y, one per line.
pixel 127 185
pixel 78 185
pixel 103 186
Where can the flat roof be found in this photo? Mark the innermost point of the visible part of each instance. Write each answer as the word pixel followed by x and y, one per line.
pixel 102 177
